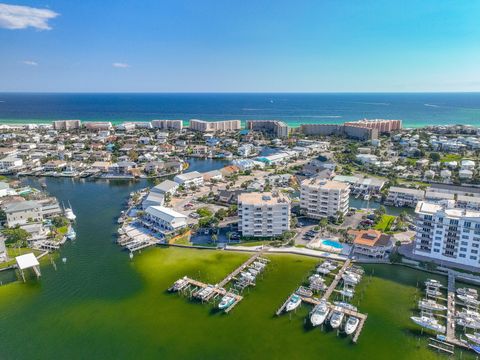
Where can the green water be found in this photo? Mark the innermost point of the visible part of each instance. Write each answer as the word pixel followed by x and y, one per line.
pixel 99 304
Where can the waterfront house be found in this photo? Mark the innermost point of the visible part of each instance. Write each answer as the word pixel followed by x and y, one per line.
pixel 398 196
pixel 22 212
pixel 371 243
pixel 164 220
pixel 214 175
pixel 189 179
pixel 153 199
pixel 166 187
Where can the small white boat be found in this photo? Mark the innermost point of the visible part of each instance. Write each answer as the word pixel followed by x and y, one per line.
pixel 253 271
pixel 345 305
pixel 469 299
pixel 351 325
pixel 428 322
pixel 293 303
pixel 226 302
pixel 71 234
pixel 433 283
pixel 433 293
pixel 247 276
pixel 323 270
pixel 68 212
pixel 475 337
pixel 205 292
pixel 319 313
pixel 347 292
pixel 303 291
pixel 467 291
pixel 336 319
pixel 179 285
pixel 348 278
pixel 468 313
pixel 429 304
pixel 470 323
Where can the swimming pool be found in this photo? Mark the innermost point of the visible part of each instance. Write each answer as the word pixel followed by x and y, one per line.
pixel 332 243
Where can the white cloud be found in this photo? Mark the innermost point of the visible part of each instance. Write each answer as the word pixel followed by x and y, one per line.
pixel 21 17
pixel 120 65
pixel 30 62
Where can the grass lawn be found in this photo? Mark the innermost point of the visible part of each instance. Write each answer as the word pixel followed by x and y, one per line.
pixel 62 230
pixel 451 157
pixel 183 239
pixel 14 252
pixel 385 223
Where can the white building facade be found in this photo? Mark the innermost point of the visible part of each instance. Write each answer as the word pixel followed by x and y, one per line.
pixel 320 198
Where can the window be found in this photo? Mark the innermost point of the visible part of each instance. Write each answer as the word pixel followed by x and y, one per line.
pixel 473 258
pixel 462 255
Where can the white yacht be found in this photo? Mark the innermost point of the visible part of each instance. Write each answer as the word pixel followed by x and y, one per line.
pixel 429 304
pixel 467 291
pixel 345 305
pixel 433 283
pixel 205 292
pixel 293 303
pixel 323 270
pixel 351 325
pixel 319 313
pixel 226 302
pixel 433 292
pixel 467 322
pixel 179 285
pixel 336 319
pixel 347 292
pixel 469 299
pixel 475 337
pixel 71 234
pixel 69 214
pixel 350 278
pixel 428 322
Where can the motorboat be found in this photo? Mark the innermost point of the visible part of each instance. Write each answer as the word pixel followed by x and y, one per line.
pixel 205 292
pixel 323 270
pixel 433 283
pixel 433 292
pixel 347 292
pixel 253 271
pixel 247 276
pixel 226 302
pixel 475 337
pixel 319 313
pixel 317 283
pixel 469 299
pixel 179 284
pixel 349 278
pixel 345 305
pixel 259 265
pixel 351 325
pixel 428 322
pixel 356 269
pixel 336 319
pixel 467 322
pixel 69 214
pixel 71 234
pixel 303 291
pixel 329 265
pixel 467 291
pixel 293 303
pixel 429 304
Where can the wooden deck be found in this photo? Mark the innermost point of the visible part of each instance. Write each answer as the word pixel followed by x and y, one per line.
pixel 336 280
pixel 242 267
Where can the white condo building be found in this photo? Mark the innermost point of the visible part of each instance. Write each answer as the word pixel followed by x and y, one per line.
pixel 320 198
pixel 263 214
pixel 447 233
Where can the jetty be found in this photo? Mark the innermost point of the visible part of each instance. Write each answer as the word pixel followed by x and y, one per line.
pixel 336 280
pixel 242 267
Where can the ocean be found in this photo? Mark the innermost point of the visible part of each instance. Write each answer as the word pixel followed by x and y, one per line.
pixel 415 109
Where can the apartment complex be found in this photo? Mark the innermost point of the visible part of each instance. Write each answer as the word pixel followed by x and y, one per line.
pixel 263 214
pixel 272 127
pixel 65 125
pixel 353 131
pixel 98 125
pixel 447 233
pixel 167 124
pixel 214 126
pixel 320 198
pixel 398 196
pixel 382 125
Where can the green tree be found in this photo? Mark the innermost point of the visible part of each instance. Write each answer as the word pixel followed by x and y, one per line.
pixel 16 236
pixel 434 156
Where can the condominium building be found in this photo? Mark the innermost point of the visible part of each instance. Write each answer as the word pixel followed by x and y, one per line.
pixel 167 124
pixel 98 125
pixel 67 125
pixel 350 130
pixel 272 127
pixel 382 125
pixel 398 196
pixel 193 178
pixel 214 126
pixel 23 212
pixel 321 198
pixel 163 220
pixel 263 214
pixel 447 233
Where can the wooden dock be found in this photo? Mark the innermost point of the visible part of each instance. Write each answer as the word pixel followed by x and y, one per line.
pixel 336 280
pixel 242 267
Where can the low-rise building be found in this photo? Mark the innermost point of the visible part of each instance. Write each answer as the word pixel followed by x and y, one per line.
pixel 163 220
pixel 263 214
pixel 23 212
pixel 371 243
pixel 398 196
pixel 189 179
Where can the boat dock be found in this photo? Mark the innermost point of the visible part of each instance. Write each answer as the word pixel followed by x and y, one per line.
pixel 195 287
pixel 336 280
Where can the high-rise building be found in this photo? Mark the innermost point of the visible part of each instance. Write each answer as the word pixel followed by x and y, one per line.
pixel 213 126
pixel 167 124
pixel 67 125
pixel 272 127
pixel 321 198
pixel 263 214
pixel 447 233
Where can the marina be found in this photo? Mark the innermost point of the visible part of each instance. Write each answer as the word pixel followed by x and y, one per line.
pixel 338 312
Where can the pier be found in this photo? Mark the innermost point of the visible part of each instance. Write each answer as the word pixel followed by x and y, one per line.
pixel 336 280
pixel 242 267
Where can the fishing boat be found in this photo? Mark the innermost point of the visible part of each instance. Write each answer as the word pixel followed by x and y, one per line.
pixel 336 319
pixel 253 271
pixel 349 278
pixel 347 292
pixel 68 212
pixel 351 325
pixel 293 303
pixel 433 293
pixel 433 283
pixel 467 291
pixel 71 234
pixel 330 265
pixel 475 337
pixel 247 276
pixel 429 304
pixel 323 270
pixel 469 299
pixel 356 269
pixel 303 291
pixel 345 305
pixel 226 302
pixel 205 292
pixel 319 313
pixel 428 322
pixel 179 285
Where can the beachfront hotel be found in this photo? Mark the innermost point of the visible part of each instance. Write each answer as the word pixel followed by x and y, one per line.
pixel 167 124
pixel 447 233
pixel 214 126
pixel 272 127
pixel 320 198
pixel 382 125
pixel 263 214
pixel 65 125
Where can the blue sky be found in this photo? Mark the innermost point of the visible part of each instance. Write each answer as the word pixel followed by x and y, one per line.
pixel 210 46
